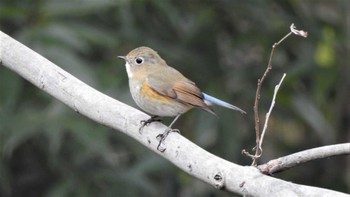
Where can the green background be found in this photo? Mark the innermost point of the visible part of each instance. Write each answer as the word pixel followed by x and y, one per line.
pixel 46 149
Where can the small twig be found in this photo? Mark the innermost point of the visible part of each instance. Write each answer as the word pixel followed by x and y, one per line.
pixel 257 148
pixel 289 161
pixel 261 139
pixel 277 87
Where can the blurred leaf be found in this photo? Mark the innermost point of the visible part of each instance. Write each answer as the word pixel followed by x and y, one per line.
pixel 324 55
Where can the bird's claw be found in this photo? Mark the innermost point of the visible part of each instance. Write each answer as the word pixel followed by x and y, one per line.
pixel 163 136
pixel 149 121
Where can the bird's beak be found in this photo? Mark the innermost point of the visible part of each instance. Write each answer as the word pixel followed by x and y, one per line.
pixel 122 57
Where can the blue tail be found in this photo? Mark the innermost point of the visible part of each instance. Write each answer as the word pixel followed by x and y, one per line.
pixel 212 100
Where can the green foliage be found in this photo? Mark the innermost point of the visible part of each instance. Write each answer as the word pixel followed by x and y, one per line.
pixel 46 149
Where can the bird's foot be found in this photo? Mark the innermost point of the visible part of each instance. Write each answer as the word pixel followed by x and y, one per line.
pixel 149 121
pixel 163 136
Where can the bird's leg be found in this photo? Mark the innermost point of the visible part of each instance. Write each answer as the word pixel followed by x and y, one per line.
pixel 163 136
pixel 149 121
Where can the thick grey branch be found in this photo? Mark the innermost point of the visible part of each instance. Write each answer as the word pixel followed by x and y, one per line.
pixel 289 161
pixel 247 181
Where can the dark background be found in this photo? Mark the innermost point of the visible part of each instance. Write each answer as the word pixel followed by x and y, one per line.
pixel 46 149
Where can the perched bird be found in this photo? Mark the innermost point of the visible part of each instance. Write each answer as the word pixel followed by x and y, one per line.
pixel 160 90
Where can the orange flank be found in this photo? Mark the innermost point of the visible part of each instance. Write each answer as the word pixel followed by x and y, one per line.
pixel 150 93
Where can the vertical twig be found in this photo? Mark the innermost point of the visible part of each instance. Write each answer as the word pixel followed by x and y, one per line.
pixel 277 87
pixel 259 139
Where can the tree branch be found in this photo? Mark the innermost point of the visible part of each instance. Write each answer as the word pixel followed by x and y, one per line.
pixel 277 87
pixel 259 139
pixel 289 161
pixel 221 174
pixel 267 117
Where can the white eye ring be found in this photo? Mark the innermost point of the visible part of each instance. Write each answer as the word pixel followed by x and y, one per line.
pixel 139 60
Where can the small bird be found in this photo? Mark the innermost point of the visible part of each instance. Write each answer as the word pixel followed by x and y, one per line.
pixel 162 91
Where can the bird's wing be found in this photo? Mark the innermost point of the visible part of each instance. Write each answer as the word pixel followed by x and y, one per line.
pixel 179 88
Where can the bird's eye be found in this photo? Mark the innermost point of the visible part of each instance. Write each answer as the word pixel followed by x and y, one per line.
pixel 139 60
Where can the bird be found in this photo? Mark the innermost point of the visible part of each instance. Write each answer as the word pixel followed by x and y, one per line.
pixel 162 91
